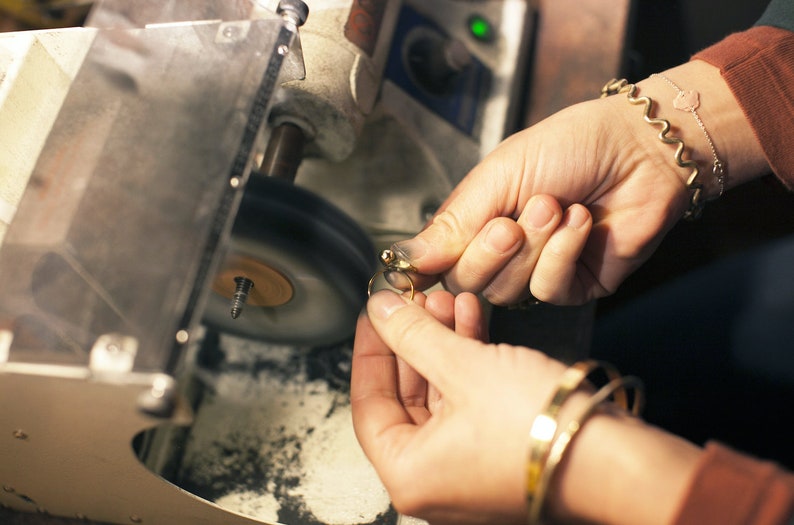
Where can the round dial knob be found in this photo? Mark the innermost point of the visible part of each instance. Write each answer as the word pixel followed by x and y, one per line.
pixel 435 61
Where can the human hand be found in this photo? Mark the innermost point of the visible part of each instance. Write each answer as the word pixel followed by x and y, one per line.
pixel 569 207
pixel 445 420
pixel 443 416
pixel 565 209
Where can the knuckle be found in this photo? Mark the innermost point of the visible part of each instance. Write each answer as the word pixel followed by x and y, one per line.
pixel 412 331
pixel 472 275
pixel 445 224
pixel 412 400
pixel 501 296
pixel 557 250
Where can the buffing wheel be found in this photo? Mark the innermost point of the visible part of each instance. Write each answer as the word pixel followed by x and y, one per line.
pixel 308 261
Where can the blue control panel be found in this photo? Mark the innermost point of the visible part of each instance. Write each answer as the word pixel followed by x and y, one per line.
pixel 451 83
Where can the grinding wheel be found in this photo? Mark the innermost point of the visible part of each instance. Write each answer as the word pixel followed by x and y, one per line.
pixel 309 264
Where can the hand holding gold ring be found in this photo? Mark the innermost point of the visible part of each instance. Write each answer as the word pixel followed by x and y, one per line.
pixel 392 263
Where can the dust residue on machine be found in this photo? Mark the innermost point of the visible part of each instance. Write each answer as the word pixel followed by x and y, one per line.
pixel 272 437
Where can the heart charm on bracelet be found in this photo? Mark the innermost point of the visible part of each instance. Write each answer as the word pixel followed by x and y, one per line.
pixel 687 101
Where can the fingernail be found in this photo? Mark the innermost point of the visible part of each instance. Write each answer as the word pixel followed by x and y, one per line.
pixel 576 217
pixel 539 213
pixel 500 238
pixel 384 303
pixel 410 250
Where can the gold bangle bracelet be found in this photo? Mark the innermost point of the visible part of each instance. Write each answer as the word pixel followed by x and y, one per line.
pixel 544 426
pixel 615 86
pixel 560 445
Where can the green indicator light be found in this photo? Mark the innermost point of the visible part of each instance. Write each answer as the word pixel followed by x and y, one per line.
pixel 480 28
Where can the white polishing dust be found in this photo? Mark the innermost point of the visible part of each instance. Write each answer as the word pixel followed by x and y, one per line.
pixel 337 476
pixel 260 505
pixel 273 439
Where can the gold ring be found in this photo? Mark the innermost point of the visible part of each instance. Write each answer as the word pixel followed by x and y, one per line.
pixel 384 272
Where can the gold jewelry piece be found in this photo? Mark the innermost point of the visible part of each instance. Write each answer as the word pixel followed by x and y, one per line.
pixel 689 101
pixel 692 183
pixel 545 424
pixel 392 263
pixel 560 445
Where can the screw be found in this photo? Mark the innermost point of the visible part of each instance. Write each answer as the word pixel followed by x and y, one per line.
pixel 231 32
pixel 182 337
pixel 295 11
pixel 20 434
pixel 240 296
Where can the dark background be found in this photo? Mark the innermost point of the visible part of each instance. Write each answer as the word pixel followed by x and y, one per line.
pixel 693 387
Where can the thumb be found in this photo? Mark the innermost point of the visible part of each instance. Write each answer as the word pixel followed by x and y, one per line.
pixel 489 191
pixel 432 349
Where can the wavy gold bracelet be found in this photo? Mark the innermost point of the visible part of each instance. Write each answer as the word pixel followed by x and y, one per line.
pixel 615 86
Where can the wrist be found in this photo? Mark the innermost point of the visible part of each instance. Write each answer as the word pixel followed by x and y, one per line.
pixel 620 470
pixel 641 156
pixel 705 148
pixel 716 128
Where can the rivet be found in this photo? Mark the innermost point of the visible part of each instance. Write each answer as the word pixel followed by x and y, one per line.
pixel 182 337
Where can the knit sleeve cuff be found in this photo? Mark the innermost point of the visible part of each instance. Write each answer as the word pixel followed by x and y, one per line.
pixel 758 66
pixel 734 489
